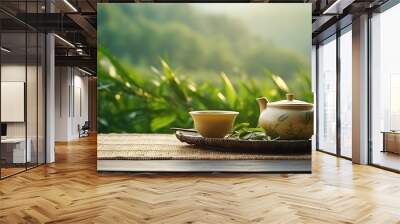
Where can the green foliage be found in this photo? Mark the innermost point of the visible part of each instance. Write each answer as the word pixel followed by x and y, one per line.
pixel 155 100
pixel 231 96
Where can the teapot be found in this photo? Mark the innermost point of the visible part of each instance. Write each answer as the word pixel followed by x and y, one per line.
pixel 288 119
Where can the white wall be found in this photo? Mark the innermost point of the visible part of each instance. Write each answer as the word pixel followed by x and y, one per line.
pixel 62 81
pixel 71 94
pixel 13 72
pixel 80 110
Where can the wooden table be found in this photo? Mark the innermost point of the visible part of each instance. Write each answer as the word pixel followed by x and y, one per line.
pixel 165 153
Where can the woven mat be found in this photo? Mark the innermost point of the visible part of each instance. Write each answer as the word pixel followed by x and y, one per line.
pixel 167 147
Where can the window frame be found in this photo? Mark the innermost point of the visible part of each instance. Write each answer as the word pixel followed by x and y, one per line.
pixel 334 37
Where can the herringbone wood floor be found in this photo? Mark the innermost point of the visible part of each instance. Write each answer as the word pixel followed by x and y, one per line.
pixel 70 191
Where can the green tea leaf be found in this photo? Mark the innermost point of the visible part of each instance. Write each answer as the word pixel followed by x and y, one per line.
pixel 174 82
pixel 241 126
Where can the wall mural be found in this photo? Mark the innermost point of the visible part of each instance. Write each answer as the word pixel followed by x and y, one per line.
pixel 158 62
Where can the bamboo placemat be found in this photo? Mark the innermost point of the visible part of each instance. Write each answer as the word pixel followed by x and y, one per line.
pixel 167 147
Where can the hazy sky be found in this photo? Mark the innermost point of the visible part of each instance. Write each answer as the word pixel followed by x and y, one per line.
pixel 288 25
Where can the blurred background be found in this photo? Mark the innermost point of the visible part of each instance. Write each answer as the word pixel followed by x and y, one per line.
pixel 156 62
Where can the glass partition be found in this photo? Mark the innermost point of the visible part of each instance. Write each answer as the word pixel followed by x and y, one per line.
pixel 14 153
pixel 327 96
pixel 32 96
pixel 22 93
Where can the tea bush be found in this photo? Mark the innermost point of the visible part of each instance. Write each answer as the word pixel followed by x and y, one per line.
pixel 133 102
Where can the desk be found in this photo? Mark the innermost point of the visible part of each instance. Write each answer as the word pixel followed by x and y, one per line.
pixel 391 141
pixel 17 148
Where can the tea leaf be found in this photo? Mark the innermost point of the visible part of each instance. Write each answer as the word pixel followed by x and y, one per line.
pixel 240 126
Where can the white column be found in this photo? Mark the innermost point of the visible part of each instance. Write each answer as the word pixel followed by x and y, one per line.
pixel 50 100
pixel 360 90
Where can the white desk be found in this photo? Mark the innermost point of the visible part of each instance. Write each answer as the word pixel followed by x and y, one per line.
pixel 18 145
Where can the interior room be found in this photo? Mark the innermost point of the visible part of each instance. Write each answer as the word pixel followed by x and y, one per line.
pixel 31 96
pixel 50 81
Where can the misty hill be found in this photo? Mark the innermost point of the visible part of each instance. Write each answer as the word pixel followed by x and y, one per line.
pixel 192 41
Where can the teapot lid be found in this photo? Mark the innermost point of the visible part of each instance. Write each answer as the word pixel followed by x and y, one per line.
pixel 291 103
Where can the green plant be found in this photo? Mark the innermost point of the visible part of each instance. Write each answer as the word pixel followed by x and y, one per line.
pixel 154 101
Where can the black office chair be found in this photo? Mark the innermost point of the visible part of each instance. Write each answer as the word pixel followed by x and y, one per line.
pixel 84 130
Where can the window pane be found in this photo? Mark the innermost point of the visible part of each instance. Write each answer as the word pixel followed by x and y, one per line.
pixel 346 94
pixel 327 97
pixel 31 96
pixel 386 88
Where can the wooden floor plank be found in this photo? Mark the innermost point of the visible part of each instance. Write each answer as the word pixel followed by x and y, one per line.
pixel 71 191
